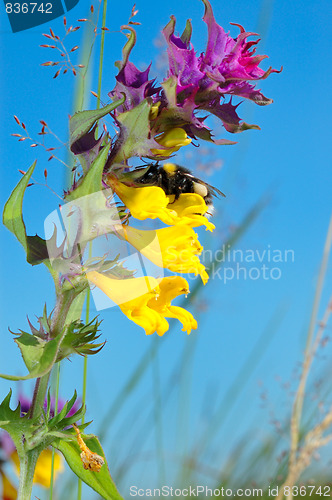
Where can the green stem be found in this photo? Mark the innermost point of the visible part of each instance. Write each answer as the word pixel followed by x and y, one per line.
pixel 39 396
pixel 85 367
pixel 63 304
pixel 55 413
pixel 28 459
pixel 27 469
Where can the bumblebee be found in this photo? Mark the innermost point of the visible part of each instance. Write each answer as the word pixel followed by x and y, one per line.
pixel 175 180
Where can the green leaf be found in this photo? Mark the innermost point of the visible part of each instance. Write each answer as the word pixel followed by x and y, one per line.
pixel 36 250
pixel 39 356
pixel 186 35
pixel 12 214
pixel 31 348
pixel 135 132
pixel 75 311
pixel 91 182
pixel 35 247
pixel 60 421
pixel 13 423
pixel 81 339
pixel 7 415
pixel 127 48
pixel 83 121
pixel 101 481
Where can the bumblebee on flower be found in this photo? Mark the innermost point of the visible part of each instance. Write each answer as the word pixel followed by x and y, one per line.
pixel 146 300
pixel 154 123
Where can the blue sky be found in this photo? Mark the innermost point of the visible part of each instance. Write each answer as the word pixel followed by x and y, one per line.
pixel 289 159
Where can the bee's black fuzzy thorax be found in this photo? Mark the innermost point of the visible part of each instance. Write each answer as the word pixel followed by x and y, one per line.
pixel 175 180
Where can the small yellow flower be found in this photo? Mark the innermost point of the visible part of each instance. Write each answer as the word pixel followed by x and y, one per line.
pixel 154 110
pixel 190 209
pixel 9 492
pixel 151 202
pixel 170 288
pixel 148 309
pixel 123 290
pixel 148 202
pixel 173 140
pixel 42 474
pixel 175 248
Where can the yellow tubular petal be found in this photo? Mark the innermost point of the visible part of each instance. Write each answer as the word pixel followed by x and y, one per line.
pixel 124 290
pixel 185 317
pixel 141 290
pixel 190 209
pixel 147 202
pixel 154 110
pixel 151 202
pixel 150 309
pixel 171 287
pixel 151 321
pixel 173 140
pixel 176 248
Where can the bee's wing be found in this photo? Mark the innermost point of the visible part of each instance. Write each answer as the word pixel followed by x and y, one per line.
pixel 213 190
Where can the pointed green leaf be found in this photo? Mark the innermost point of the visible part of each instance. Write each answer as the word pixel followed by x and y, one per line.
pixel 127 48
pixel 36 250
pixel 39 356
pixel 65 410
pixel 91 182
pixel 75 311
pixel 83 121
pixel 187 32
pixel 101 481
pixel 12 214
pixel 31 348
pixel 7 415
pixel 13 423
pixel 135 132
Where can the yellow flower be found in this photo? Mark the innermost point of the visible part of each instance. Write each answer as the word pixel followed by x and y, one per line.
pixel 9 492
pixel 151 202
pixel 173 140
pixel 171 287
pixel 175 248
pixel 190 209
pixel 121 291
pixel 42 473
pixel 150 308
pixel 154 110
pixel 147 202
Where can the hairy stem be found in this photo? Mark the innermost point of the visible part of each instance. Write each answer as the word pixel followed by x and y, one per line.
pixel 55 413
pixel 28 459
pixel 27 468
pixel 39 396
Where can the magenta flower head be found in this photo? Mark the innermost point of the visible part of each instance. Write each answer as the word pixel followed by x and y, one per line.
pixel 184 65
pixel 195 86
pixel 131 82
pixel 228 66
